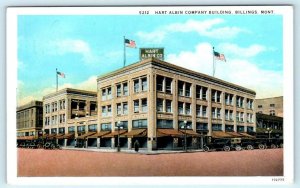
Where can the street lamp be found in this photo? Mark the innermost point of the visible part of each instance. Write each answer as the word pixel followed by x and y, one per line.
pixel 119 127
pixel 269 132
pixel 185 127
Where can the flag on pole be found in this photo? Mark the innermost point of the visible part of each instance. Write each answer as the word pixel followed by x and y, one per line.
pixel 219 56
pixel 61 74
pixel 130 43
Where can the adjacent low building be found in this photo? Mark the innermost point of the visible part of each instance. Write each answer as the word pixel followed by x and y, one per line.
pixel 30 120
pixel 62 108
pixel 271 106
pixel 158 104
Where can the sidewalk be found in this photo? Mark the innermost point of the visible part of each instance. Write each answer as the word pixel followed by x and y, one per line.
pixel 125 150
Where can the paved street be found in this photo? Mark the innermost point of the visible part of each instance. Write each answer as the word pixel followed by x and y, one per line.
pixel 40 162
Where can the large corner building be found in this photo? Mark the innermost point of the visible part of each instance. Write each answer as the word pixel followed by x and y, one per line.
pixel 157 103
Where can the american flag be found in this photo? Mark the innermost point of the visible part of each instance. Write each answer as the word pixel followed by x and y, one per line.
pixel 130 43
pixel 61 74
pixel 219 56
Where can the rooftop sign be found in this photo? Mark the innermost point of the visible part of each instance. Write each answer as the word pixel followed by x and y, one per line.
pixel 146 53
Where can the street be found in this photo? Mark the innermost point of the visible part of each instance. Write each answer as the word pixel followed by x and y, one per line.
pixel 44 163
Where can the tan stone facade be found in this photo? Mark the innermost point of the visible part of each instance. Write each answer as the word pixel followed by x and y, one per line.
pixel 30 119
pixel 270 106
pixel 154 95
pixel 63 107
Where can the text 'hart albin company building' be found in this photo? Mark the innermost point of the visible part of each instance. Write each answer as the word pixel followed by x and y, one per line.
pixel 156 103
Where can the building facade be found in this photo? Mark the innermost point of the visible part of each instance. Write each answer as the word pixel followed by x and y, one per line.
pixel 158 103
pixel 29 119
pixel 270 106
pixel 62 108
pixel 269 125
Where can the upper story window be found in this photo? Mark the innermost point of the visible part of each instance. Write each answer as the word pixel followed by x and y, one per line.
pixel 164 84
pixel 71 129
pixel 119 109
pixel 228 99
pixel 180 107
pixel 216 96
pixel 184 89
pixel 272 112
pixel 92 128
pixel 159 105
pixel 188 89
pixel 106 94
pixel 141 123
pixel 125 89
pixel 250 118
pixel 259 106
pixel 140 84
pixel 106 111
pixel 229 115
pixel 144 84
pixel 81 129
pixel 136 106
pixel 168 85
pixel 169 106
pixel 159 83
pixel 216 113
pixel 216 127
pixel 272 105
pixel 105 127
pixel 239 101
pixel 144 105
pixel 249 103
pixel 119 90
pixel 201 92
pixel 164 124
pixel 125 108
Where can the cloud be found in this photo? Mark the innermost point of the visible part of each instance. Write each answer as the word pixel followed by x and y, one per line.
pixel 209 28
pixel 240 71
pixel 61 47
pixel 90 84
pixel 235 50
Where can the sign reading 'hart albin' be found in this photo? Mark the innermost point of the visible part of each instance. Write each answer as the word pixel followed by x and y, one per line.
pixel 146 53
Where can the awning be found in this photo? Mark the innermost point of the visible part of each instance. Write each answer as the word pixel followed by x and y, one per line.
pixel 25 138
pixel 136 133
pixel 113 134
pixel 45 136
pixel 234 134
pixel 247 135
pixel 169 132
pixel 59 136
pixel 68 136
pixel 100 134
pixel 86 135
pixel 190 132
pixel 220 134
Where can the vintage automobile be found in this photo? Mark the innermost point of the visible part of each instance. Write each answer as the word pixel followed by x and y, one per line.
pixel 51 145
pixel 225 144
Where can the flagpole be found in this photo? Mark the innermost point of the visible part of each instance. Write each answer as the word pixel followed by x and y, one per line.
pixel 213 61
pixel 56 81
pixel 124 52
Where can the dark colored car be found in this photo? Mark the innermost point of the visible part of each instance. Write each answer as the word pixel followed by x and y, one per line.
pixel 225 144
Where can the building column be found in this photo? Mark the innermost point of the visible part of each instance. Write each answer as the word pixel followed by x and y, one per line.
pixel 113 143
pixel 175 102
pixel 98 143
pixel 152 119
pixel 234 114
pixel 223 110
pixel 209 114
pixel 193 106
pixel 65 142
pixel 129 143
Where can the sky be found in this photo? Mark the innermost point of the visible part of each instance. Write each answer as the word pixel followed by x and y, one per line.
pixel 84 47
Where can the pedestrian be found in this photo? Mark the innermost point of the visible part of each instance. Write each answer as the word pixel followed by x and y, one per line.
pixel 136 145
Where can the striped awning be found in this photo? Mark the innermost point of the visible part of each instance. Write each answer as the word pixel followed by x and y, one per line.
pixel 169 132
pixel 234 134
pixel 190 133
pixel 99 134
pixel 26 138
pixel 247 135
pixel 220 134
pixel 59 136
pixel 68 136
pixel 136 133
pixel 86 135
pixel 115 133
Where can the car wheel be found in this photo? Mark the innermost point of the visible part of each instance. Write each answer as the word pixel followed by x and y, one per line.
pixel 273 146
pixel 238 148
pixel 226 148
pixel 261 146
pixel 249 147
pixel 205 148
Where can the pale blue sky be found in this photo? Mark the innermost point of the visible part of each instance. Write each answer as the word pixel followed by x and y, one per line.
pixel 84 47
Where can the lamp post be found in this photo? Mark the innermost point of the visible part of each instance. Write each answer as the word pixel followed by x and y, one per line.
pixel 119 127
pixel 185 127
pixel 269 132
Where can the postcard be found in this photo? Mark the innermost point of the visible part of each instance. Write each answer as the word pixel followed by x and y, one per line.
pixel 139 95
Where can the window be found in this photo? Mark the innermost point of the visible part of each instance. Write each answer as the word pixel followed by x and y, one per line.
pixel 144 105
pixel 201 92
pixel 164 124
pixel 187 89
pixel 250 118
pixel 109 93
pixel 242 117
pixel 228 99
pixel 136 85
pixel 229 128
pixel 201 126
pixel 119 109
pixel 249 103
pixel 249 129
pixel 46 131
pixel 227 114
pixel 159 83
pixel 109 110
pixel 61 130
pixel 216 127
pixel 92 128
pixel 240 129
pixel 272 112
pixel 198 110
pixel 125 108
pixel 125 89
pixel 81 129
pixel 53 131
pixel 168 85
pixel 144 84
pixel 216 96
pixel 123 124
pixel 216 113
pixel 118 90
pixel 103 94
pixel 204 111
pixel 136 106
pixel 180 88
pixel 141 123
pixel 187 108
pixel 159 105
pixel 188 125
pixel 169 106
pixel 272 105
pixel 104 111
pixel 105 127
pixel 180 107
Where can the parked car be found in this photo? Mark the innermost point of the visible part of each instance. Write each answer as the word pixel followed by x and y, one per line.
pixel 225 144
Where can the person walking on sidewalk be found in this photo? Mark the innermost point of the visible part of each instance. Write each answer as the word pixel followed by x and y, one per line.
pixel 136 146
